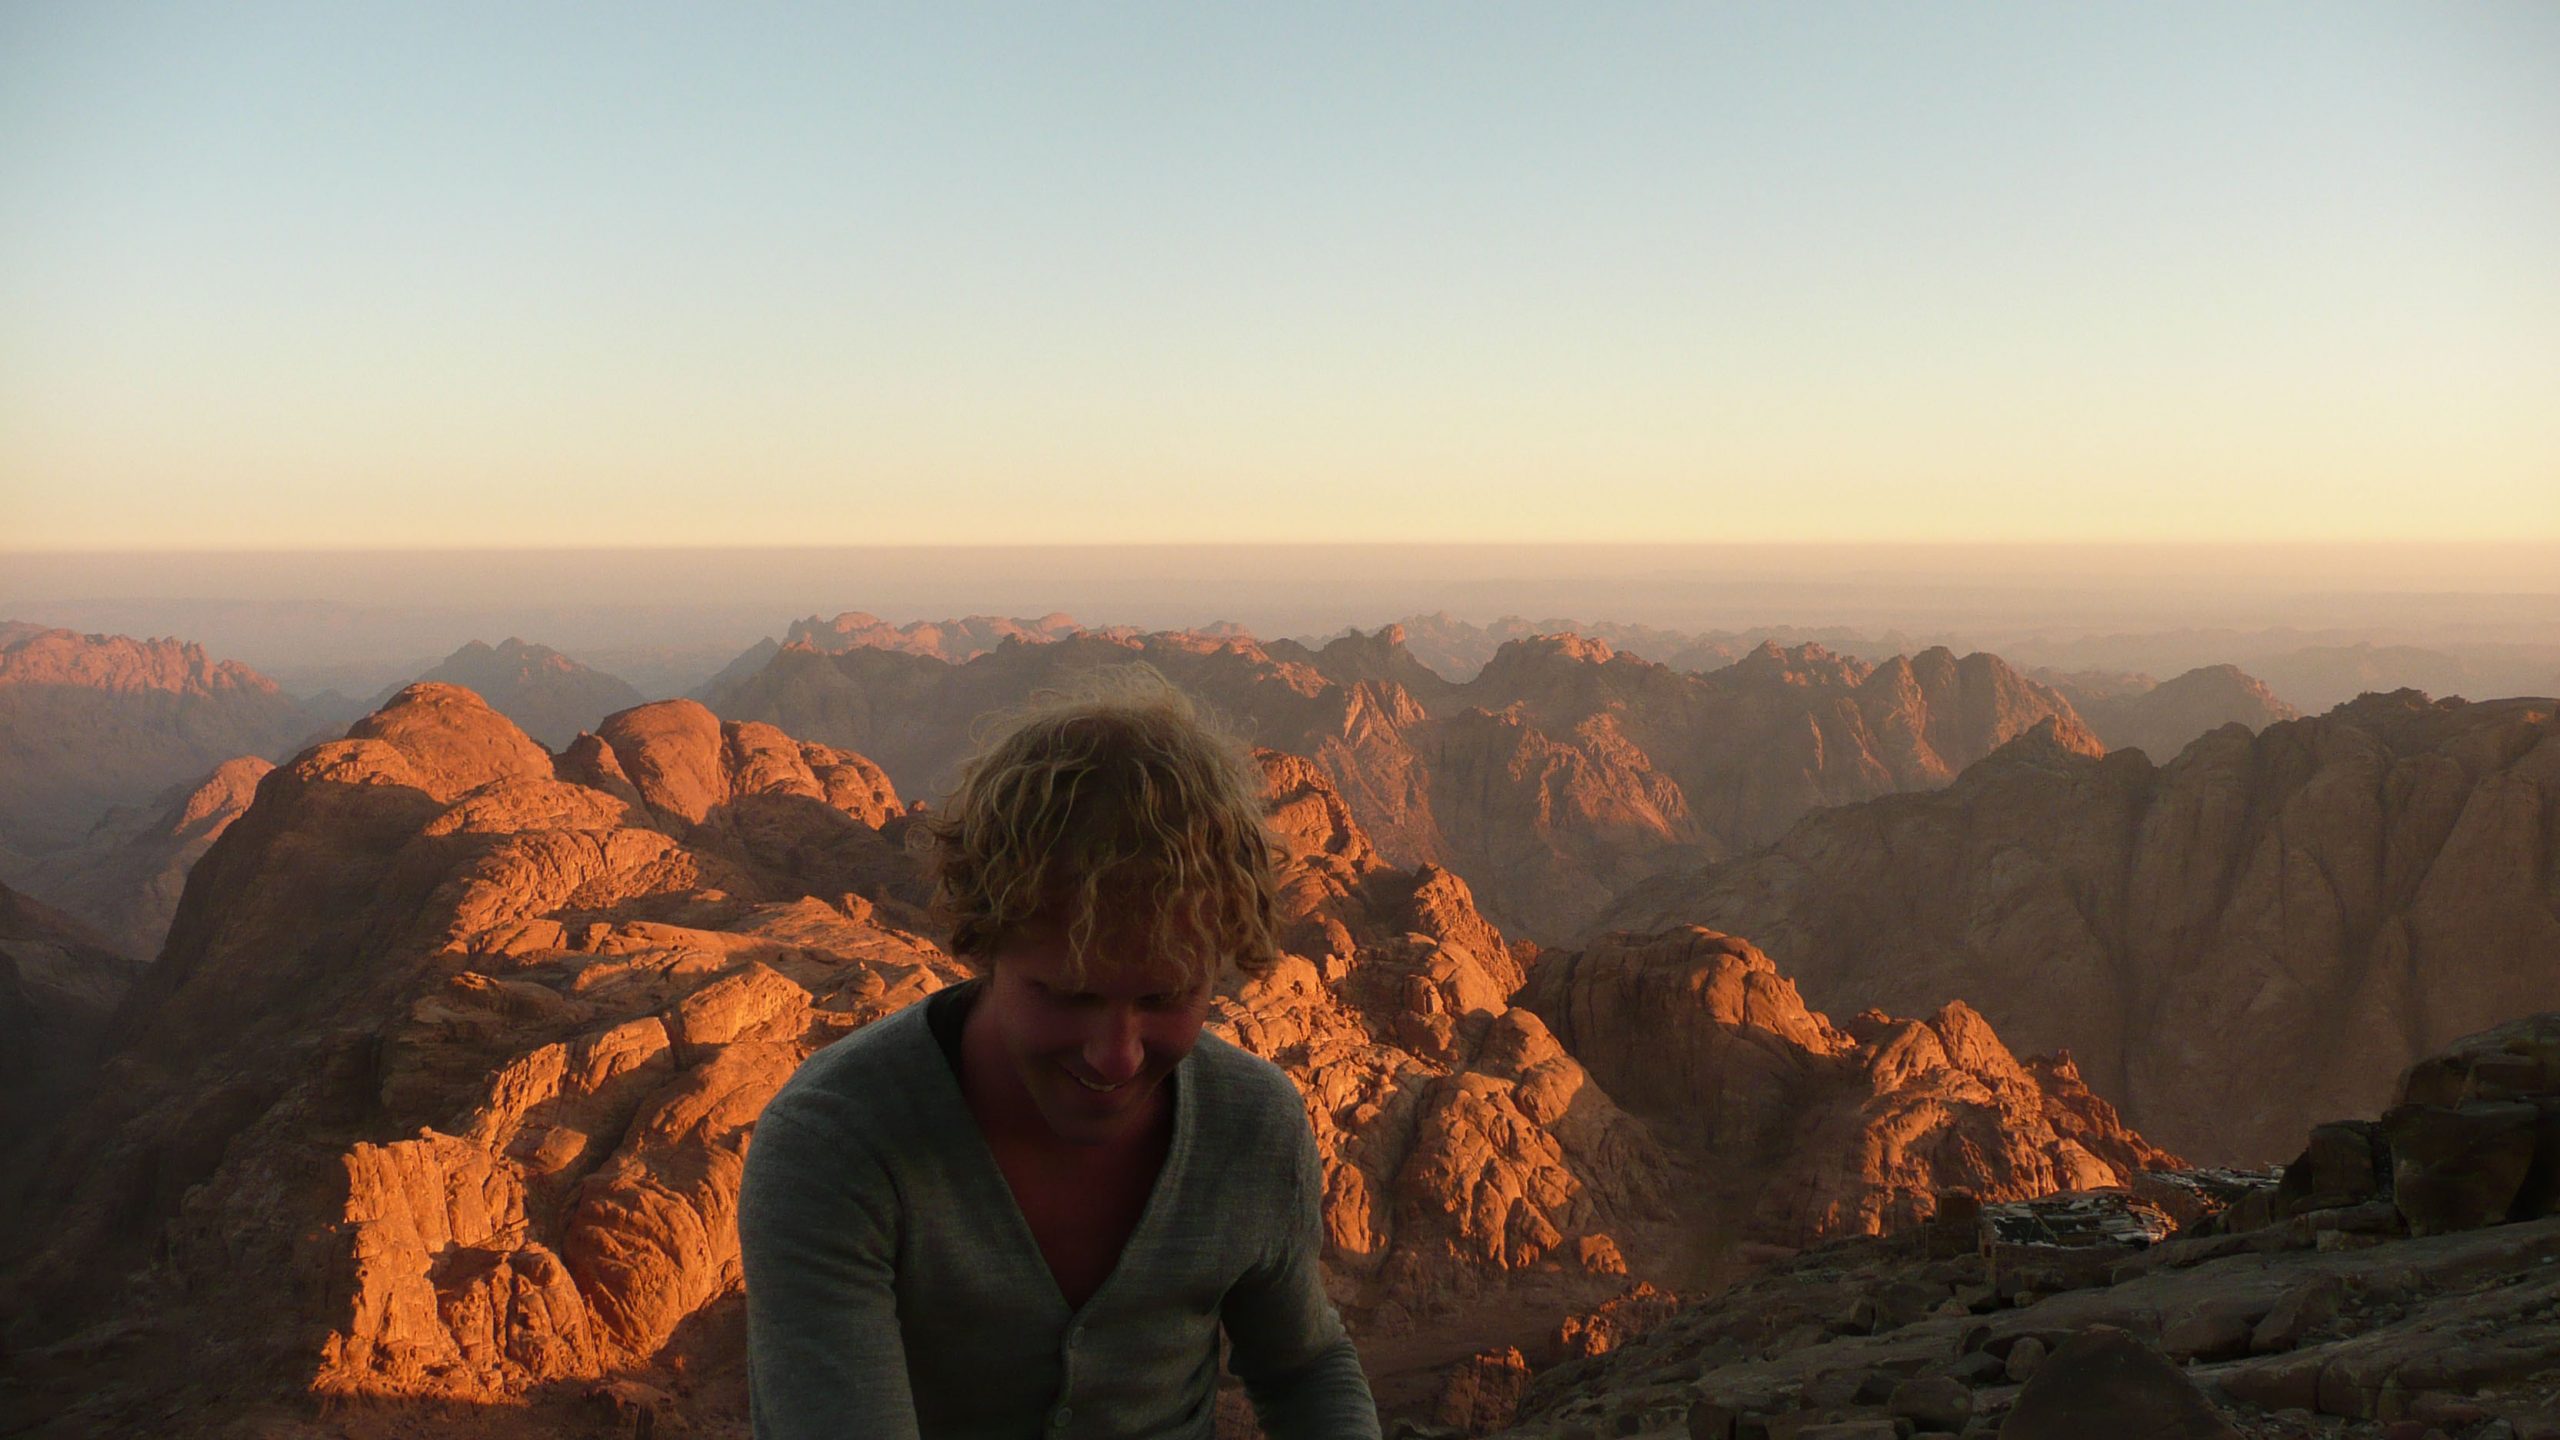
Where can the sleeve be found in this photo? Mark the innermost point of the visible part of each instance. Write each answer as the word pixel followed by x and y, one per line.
pixel 817 1233
pixel 1285 1340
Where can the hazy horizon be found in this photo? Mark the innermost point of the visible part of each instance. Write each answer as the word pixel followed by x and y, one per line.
pixel 666 618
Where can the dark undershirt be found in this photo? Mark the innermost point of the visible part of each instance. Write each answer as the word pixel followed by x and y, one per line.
pixel 947 1012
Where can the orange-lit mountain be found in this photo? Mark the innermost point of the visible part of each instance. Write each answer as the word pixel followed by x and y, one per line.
pixel 439 1091
pixel 2324 902
pixel 550 695
pixel 91 722
pixel 1562 774
pixel 2160 718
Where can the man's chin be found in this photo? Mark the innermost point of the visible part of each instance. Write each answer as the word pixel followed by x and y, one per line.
pixel 1080 1115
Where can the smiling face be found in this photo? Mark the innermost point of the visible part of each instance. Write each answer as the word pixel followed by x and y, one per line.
pixel 1091 1052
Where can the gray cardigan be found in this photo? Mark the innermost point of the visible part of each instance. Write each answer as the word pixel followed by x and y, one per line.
pixel 894 1291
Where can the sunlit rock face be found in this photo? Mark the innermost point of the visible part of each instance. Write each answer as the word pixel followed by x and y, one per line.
pixel 1560 776
pixel 2161 718
pixel 92 722
pixel 1800 1129
pixel 550 696
pixel 2322 903
pixel 1465 1151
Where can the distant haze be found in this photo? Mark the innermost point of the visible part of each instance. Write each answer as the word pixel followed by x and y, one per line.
pixel 355 620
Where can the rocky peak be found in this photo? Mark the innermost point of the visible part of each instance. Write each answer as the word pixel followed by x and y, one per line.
pixel 452 740
pixel 1354 659
pixel 99 722
pixel 685 763
pixel 123 664
pixel 2162 718
pixel 551 696
pixel 1804 665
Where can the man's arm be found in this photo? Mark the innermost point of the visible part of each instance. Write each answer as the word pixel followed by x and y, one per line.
pixel 817 1230
pixel 1285 1340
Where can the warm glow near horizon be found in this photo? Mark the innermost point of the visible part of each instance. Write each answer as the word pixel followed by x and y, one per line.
pixel 285 276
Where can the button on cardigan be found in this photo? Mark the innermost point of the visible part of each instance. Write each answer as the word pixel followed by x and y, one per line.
pixel 895 1292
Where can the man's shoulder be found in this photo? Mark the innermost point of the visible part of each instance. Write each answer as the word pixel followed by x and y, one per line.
pixel 870 1082
pixel 1246 1095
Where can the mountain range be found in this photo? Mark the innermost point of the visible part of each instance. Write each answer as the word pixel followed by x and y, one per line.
pixel 456 1045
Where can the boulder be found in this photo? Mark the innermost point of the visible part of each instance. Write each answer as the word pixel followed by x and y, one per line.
pixel 2215 1329
pixel 2459 1167
pixel 2304 1310
pixel 2105 1385
pixel 1481 1393
pixel 2345 1163
pixel 1932 1402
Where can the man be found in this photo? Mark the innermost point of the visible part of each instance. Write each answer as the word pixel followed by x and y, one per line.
pixel 1030 1204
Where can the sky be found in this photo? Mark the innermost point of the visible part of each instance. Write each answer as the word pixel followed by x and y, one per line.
pixel 344 275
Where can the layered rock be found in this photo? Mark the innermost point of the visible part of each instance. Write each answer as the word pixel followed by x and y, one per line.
pixel 548 695
pixel 2160 718
pixel 1561 775
pixel 2324 902
pixel 92 722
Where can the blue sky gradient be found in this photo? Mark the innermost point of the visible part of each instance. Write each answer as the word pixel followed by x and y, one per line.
pixel 359 274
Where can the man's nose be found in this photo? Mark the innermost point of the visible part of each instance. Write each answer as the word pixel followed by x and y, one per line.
pixel 1115 1051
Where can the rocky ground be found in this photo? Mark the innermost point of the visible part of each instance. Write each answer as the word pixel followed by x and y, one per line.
pixel 2400 1279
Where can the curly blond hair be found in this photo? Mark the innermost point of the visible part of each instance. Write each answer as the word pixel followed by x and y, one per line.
pixel 1120 812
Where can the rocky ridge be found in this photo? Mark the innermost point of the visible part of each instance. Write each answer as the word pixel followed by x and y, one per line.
pixel 92 722
pixel 2327 901
pixel 1458 649
pixel 125 876
pixel 2161 718
pixel 1561 775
